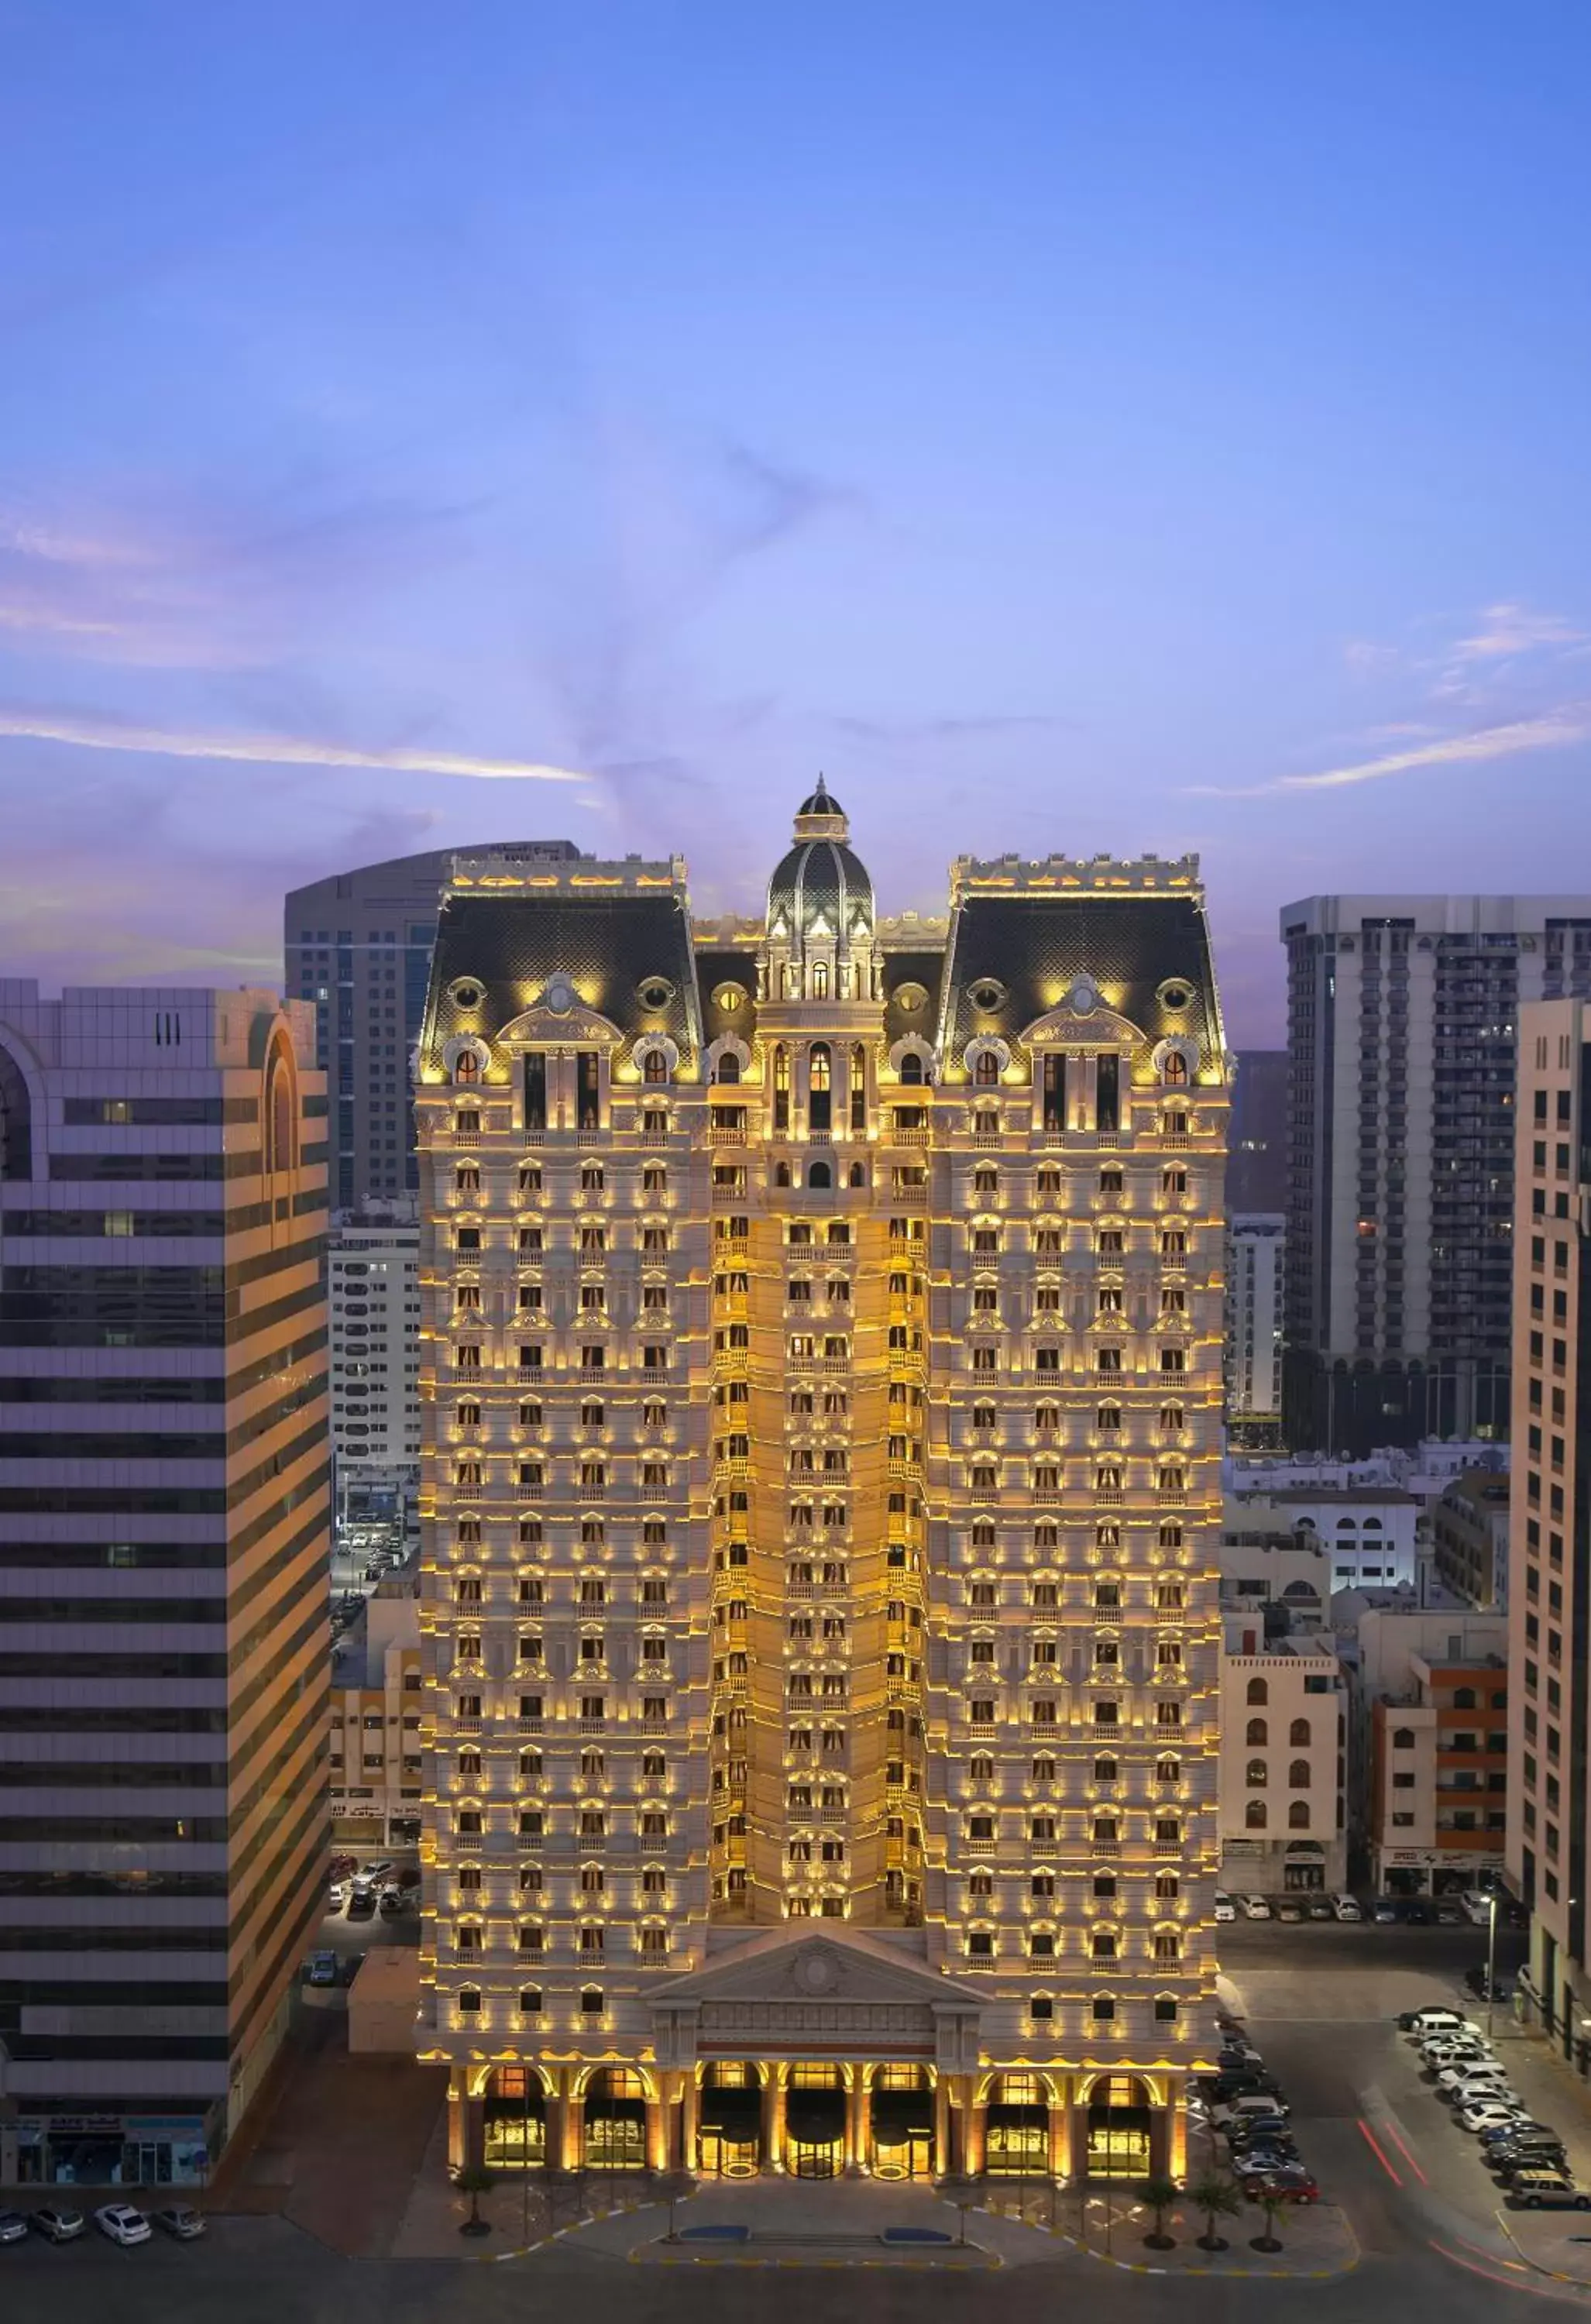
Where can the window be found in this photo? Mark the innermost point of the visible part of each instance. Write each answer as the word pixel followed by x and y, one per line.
pixel 1258 1731
pixel 1254 1815
pixel 1258 1691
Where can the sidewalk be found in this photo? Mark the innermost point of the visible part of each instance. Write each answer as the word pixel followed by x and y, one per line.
pixel 1316 2237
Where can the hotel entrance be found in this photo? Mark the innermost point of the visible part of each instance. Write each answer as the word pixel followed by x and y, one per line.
pixel 903 2122
pixel 514 2119
pixel 729 2141
pixel 615 2120
pixel 815 2122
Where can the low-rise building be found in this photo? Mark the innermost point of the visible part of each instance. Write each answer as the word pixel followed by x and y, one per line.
pixel 1469 1538
pixel 1367 1533
pixel 1282 1821
pixel 1282 1575
pixel 375 1756
pixel 1428 1747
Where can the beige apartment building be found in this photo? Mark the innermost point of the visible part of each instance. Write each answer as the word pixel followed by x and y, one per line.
pixel 1284 1763
pixel 821 1345
pixel 1548 1803
pixel 376 1759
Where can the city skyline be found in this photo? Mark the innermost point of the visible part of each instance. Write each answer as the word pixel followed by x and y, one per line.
pixel 1122 417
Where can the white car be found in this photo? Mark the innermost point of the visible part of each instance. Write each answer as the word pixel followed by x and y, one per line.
pixel 1456 2053
pixel 1469 2070
pixel 1490 2114
pixel 1256 1908
pixel 336 1896
pixel 1225 1910
pixel 1346 1908
pixel 1422 2023
pixel 1466 2093
pixel 122 2224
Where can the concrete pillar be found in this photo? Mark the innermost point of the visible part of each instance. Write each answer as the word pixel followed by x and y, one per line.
pixel 977 2130
pixel 659 2119
pixel 859 2120
pixel 690 2116
pixel 956 2125
pixel 1077 2117
pixel 455 2119
pixel 1159 2141
pixel 474 2129
pixel 574 2132
pixel 773 2119
pixel 942 2128
pixel 552 2147
pixel 1060 2128
pixel 1177 2141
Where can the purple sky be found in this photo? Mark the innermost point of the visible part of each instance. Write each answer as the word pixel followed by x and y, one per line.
pixel 1144 428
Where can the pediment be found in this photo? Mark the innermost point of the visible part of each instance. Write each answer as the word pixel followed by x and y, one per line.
pixel 575 1027
pixel 1098 1027
pixel 778 1966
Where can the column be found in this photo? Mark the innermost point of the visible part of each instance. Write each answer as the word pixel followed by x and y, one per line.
pixel 1177 2160
pixel 574 2125
pixel 659 2122
pixel 942 2129
pixel 977 2127
pixel 690 2116
pixel 859 2112
pixel 552 2148
pixel 456 2157
pixel 773 2119
pixel 473 2128
pixel 1060 2130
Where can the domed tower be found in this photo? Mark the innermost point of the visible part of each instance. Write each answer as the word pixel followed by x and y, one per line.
pixel 820 913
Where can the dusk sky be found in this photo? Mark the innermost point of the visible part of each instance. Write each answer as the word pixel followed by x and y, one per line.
pixel 1129 428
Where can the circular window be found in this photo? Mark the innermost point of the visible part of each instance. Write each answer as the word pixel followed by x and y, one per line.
pixel 913 998
pixel 558 997
pixel 467 992
pixel 1174 994
pixel 986 993
pixel 654 992
pixel 729 996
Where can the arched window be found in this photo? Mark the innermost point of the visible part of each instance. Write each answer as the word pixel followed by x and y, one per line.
pixel 655 1069
pixel 858 1175
pixel 820 1174
pixel 727 1069
pixel 1403 1739
pixel 820 1086
pixel 821 1065
pixel 1298 1816
pixel 1464 1698
pixel 820 980
pixel 1258 1732
pixel 1299 1732
pixel 1254 1773
pixel 1258 1691
pixel 986 1073
pixel 1176 1068
pixel 1254 1815
pixel 781 1174
pixel 911 1070
pixel 1298 1775
pixel 466 1066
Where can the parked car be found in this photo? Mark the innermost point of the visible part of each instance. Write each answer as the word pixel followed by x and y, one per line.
pixel 1463 2072
pixel 1250 2103
pixel 1385 1911
pixel 1346 1908
pixel 336 1896
pixel 1547 2191
pixel 1484 1989
pixel 1225 1910
pixel 1291 2182
pixel 1523 2130
pixel 377 1867
pixel 323 1968
pixel 1449 1916
pixel 393 1902
pixel 362 1905
pixel 1435 2021
pixel 1490 2114
pixel 1476 1904
pixel 182 2221
pixel 1261 2161
pixel 1417 1913
pixel 121 2224
pixel 1288 1910
pixel 13 2227
pixel 61 2224
pixel 1526 2153
pixel 1437 2056
pixel 1319 1908
pixel 1256 1908
pixel 1256 2130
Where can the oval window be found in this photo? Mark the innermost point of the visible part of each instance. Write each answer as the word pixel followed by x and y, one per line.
pixel 467 992
pixel 986 993
pixel 654 992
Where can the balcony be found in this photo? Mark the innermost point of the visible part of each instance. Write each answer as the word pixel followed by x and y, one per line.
pixel 591 1843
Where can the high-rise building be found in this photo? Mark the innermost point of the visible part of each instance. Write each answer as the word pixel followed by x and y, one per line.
pixel 820 1363
pixel 1256 1247
pixel 1403 1013
pixel 358 945
pixel 1256 1158
pixel 372 1289
pixel 1550 1519
pixel 164 1503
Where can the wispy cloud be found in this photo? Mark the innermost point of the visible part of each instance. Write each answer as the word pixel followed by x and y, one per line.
pixel 968 729
pixel 1547 732
pixel 269 749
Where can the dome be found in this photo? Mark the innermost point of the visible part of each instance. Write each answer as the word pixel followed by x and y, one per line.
pixel 820 882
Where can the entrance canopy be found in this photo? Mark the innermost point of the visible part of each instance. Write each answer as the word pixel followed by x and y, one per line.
pixel 842 1993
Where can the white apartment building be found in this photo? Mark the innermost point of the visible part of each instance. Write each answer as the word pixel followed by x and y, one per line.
pixel 1283 1747
pixel 1367 1532
pixel 1403 1013
pixel 373 1272
pixel 1256 1254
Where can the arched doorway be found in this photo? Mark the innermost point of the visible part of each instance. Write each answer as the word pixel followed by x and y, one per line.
pixel 903 2122
pixel 615 2120
pixel 815 2121
pixel 1016 2135
pixel 514 2112
pixel 729 2144
pixel 1120 2111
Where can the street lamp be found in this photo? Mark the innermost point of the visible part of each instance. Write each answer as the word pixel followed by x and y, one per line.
pixel 1491 1959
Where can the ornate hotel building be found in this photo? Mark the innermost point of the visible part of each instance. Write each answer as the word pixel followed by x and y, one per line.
pixel 822 1344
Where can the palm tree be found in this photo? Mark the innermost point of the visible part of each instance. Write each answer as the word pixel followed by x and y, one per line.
pixel 1159 2194
pixel 473 2180
pixel 1268 2202
pixel 1215 2195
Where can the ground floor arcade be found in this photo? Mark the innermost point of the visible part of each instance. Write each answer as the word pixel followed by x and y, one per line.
pixel 817 2118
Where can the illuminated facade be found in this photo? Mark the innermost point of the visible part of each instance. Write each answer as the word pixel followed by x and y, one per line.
pixel 822 1344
